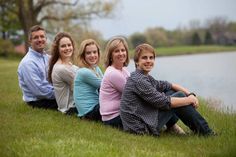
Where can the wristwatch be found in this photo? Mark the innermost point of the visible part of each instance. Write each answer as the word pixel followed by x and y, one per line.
pixel 191 94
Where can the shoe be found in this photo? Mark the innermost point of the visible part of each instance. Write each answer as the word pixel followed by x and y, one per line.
pixel 176 130
pixel 212 133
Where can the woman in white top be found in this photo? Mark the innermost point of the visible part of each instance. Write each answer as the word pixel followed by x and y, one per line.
pixel 61 72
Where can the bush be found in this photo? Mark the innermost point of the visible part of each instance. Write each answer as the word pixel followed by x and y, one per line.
pixel 6 47
pixel 7 50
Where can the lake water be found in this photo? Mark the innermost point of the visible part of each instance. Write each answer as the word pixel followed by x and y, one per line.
pixel 211 76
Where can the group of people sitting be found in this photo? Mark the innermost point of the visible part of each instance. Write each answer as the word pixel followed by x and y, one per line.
pixel 73 83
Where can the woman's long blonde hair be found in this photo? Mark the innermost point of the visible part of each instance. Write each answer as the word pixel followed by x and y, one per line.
pixel 111 46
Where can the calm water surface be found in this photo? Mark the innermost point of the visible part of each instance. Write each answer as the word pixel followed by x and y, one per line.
pixel 211 76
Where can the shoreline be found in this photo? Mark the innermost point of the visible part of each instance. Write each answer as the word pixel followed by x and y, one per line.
pixel 189 50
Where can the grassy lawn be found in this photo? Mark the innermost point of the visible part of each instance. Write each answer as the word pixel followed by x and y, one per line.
pixel 35 132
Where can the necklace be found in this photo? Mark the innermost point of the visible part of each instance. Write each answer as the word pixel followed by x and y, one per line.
pixel 96 72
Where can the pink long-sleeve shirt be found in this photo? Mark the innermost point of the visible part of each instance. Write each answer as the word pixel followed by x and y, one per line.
pixel 111 89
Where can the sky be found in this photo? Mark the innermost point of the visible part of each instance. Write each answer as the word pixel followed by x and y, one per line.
pixel 137 15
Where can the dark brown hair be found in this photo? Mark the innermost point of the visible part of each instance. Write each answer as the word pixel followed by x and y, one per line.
pixel 34 28
pixel 55 51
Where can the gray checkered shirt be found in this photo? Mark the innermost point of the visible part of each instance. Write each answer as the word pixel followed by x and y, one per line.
pixel 142 98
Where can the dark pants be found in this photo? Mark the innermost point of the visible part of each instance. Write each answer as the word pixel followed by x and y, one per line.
pixel 72 111
pixel 167 118
pixel 94 114
pixel 188 115
pixel 115 122
pixel 44 103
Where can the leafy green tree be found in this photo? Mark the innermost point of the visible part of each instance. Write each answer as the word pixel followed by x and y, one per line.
pixel 196 39
pixel 9 22
pixel 31 12
pixel 136 39
pixel 218 28
pixel 231 27
pixel 208 38
pixel 175 37
pixel 156 37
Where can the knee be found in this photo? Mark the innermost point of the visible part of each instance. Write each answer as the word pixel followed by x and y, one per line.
pixel 179 94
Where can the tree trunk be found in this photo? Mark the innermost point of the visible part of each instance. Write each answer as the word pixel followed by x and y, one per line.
pixel 27 18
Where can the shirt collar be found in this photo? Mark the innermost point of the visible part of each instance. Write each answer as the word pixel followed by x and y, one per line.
pixel 140 71
pixel 36 53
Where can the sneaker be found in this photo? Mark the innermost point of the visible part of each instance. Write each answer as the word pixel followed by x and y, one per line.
pixel 212 133
pixel 176 130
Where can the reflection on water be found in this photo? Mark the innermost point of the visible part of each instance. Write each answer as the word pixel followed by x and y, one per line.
pixel 211 76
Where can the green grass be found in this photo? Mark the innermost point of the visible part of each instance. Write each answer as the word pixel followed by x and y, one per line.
pixel 28 132
pixel 182 50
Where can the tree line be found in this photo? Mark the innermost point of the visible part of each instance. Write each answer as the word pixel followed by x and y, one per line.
pixel 217 31
pixel 74 16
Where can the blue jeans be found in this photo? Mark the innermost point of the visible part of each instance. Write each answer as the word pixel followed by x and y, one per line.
pixel 188 115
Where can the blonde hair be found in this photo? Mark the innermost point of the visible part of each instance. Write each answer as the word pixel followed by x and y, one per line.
pixel 142 48
pixel 111 46
pixel 81 57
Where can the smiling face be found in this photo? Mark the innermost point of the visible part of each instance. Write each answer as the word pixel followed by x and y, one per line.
pixel 119 56
pixel 38 40
pixel 65 48
pixel 145 61
pixel 91 54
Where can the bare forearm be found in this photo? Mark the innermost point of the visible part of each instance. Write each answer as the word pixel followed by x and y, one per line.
pixel 177 87
pixel 184 101
pixel 178 102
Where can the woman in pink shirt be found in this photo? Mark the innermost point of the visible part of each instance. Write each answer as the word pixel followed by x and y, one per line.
pixel 113 82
